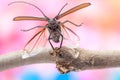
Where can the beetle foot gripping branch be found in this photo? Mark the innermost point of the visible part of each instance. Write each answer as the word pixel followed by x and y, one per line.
pixel 64 59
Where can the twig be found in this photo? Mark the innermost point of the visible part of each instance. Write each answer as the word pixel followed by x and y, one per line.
pixel 67 59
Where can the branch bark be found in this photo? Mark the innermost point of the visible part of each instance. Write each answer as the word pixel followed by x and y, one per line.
pixel 20 58
pixel 66 59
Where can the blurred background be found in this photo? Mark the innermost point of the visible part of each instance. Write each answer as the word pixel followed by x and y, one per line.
pixel 100 31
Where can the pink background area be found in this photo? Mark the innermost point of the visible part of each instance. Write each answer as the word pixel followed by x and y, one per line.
pixel 101 30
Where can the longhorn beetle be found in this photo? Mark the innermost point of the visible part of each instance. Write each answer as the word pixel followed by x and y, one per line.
pixel 53 26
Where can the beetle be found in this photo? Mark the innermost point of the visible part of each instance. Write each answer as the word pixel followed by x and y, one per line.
pixel 53 25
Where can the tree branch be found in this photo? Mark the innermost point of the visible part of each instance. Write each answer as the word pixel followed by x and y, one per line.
pixel 67 59
pixel 20 58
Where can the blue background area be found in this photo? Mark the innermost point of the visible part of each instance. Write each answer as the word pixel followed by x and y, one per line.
pixel 63 77
pixel 33 75
pixel 30 76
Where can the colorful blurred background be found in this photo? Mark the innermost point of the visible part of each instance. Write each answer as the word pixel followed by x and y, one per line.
pixel 100 31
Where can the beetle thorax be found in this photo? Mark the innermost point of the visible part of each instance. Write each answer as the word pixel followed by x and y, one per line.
pixel 52 23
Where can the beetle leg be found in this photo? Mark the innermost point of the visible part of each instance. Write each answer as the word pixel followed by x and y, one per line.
pixel 50 41
pixel 33 28
pixel 72 23
pixel 61 36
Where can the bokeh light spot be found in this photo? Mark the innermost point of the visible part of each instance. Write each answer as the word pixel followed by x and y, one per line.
pixel 30 76
pixel 63 77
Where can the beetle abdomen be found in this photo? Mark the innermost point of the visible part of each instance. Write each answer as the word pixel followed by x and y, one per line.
pixel 55 36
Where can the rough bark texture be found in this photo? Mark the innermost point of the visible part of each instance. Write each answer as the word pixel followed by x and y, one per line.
pixel 67 59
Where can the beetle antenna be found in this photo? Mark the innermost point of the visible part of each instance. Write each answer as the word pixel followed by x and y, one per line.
pixel 60 11
pixel 30 4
